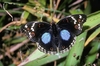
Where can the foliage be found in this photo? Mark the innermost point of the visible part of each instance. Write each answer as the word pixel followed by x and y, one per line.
pixel 16 49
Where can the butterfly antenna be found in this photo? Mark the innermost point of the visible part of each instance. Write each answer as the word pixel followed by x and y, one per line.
pixel 7 12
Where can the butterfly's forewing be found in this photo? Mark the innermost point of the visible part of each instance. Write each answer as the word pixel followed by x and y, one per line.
pixel 34 29
pixel 73 23
pixel 69 27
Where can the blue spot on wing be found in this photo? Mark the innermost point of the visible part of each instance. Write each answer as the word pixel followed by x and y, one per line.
pixel 65 35
pixel 46 37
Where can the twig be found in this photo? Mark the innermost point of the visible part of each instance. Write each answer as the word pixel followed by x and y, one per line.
pixel 76 2
pixel 59 15
pixel 32 11
pixel 14 48
pixel 7 12
pixel 55 63
pixel 18 45
pixel 55 5
pixel 9 24
pixel 58 1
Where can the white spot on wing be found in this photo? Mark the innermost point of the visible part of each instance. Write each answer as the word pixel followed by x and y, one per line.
pixel 72 44
pixel 32 29
pixel 30 36
pixel 33 26
pixel 80 16
pixel 66 49
pixel 26 26
pixel 73 19
pixel 79 27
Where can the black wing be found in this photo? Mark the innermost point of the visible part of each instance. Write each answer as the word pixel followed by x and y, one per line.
pixel 73 23
pixel 41 33
pixel 34 29
pixel 69 27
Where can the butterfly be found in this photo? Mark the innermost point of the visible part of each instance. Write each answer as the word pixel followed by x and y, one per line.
pixel 52 38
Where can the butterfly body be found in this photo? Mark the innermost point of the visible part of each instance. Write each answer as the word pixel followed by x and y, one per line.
pixel 53 38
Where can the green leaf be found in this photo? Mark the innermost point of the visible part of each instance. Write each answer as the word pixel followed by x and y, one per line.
pixel 88 8
pixel 35 55
pixel 92 21
pixel 25 15
pixel 1 64
pixel 75 53
pixel 77 11
pixel 61 63
pixel 91 57
pixel 46 60
pixel 43 2
pixel 92 36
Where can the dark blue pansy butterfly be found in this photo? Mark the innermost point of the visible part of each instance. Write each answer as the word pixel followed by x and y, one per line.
pixel 55 37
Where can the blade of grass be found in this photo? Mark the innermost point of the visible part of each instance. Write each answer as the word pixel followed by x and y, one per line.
pixel 88 7
pixel 93 20
pixel 35 55
pixel 92 36
pixel 77 11
pixel 46 60
pixel 91 57
pixel 75 53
